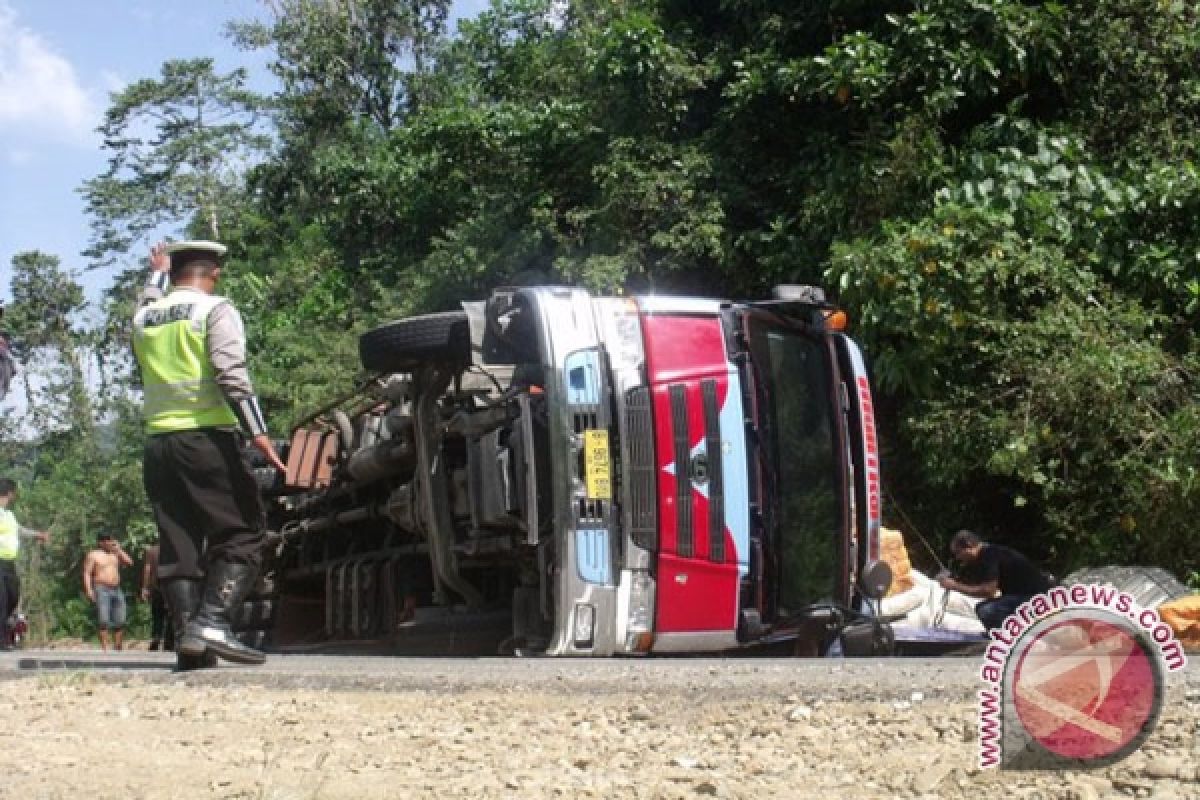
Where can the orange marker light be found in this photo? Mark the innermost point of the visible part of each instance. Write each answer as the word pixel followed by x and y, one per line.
pixel 836 320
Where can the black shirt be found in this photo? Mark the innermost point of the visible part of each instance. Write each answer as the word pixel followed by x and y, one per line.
pixel 1014 573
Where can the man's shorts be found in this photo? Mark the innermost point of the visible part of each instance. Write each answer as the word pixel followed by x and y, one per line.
pixel 110 607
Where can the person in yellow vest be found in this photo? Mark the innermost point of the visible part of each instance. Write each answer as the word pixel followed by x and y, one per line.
pixel 11 533
pixel 198 400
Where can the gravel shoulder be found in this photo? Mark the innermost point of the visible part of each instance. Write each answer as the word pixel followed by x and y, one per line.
pixel 317 727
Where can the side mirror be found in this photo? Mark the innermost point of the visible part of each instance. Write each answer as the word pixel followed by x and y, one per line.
pixel 876 580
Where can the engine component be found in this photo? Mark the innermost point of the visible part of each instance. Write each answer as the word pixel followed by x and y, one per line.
pixel 311 458
pixel 402 508
pixel 387 459
pixel 492 487
pixel 371 429
pixel 434 489
pixel 345 430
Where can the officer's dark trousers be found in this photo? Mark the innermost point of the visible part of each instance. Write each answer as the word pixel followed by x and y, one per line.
pixel 161 629
pixel 205 501
pixel 10 595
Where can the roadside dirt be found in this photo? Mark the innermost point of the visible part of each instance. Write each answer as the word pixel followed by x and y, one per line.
pixel 100 735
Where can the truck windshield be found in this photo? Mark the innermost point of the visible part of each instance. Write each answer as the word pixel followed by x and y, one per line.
pixel 795 375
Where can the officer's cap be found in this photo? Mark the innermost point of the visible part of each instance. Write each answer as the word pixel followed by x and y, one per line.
pixel 184 253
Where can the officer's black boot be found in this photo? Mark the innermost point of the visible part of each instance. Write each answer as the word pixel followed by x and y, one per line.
pixel 224 590
pixel 183 600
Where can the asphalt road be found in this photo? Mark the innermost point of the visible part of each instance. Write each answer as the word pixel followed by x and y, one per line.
pixel 951 679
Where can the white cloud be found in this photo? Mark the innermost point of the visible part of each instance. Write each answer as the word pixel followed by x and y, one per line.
pixel 40 93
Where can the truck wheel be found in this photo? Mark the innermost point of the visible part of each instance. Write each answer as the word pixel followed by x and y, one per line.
pixel 401 345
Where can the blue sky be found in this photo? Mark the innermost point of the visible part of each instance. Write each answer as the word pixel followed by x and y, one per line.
pixel 59 62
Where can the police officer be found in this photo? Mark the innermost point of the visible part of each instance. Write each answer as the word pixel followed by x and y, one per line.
pixel 191 348
pixel 11 533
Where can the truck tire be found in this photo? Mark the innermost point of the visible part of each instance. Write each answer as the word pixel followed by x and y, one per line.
pixel 399 346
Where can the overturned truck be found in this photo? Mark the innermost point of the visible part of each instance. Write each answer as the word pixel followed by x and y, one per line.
pixel 555 473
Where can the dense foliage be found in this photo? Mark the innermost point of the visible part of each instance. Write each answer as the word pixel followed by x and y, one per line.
pixel 1001 193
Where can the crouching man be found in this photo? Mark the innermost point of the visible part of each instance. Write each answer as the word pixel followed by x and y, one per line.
pixel 1001 576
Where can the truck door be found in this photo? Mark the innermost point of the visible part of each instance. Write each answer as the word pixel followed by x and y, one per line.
pixel 807 501
pixel 701 475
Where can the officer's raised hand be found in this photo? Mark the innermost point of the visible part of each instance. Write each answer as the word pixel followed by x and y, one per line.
pixel 159 260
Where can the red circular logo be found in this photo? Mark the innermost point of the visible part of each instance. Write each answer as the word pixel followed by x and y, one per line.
pixel 1086 688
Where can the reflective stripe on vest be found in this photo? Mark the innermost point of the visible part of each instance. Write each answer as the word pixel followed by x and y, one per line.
pixel 10 542
pixel 170 340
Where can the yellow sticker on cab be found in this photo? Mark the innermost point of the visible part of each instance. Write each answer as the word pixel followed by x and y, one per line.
pixel 597 465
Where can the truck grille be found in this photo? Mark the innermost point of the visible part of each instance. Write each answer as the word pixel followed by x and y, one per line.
pixel 591 511
pixel 640 471
pixel 584 420
pixel 716 486
pixel 683 479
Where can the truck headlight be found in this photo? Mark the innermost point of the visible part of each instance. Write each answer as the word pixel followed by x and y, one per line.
pixel 585 624
pixel 639 620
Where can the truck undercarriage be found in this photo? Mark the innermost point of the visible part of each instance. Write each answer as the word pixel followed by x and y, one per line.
pixel 417 504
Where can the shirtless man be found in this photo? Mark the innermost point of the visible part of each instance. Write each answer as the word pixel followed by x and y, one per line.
pixel 102 585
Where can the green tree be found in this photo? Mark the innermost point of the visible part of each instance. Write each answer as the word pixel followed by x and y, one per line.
pixel 345 61
pixel 45 320
pixel 178 146
pixel 1032 317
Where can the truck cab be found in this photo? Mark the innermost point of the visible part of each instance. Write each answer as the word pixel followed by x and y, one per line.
pixel 562 474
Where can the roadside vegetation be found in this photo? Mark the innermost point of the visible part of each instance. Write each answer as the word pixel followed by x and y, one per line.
pixel 1002 194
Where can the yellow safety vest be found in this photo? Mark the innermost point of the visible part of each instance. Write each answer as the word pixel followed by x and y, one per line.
pixel 170 340
pixel 10 542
